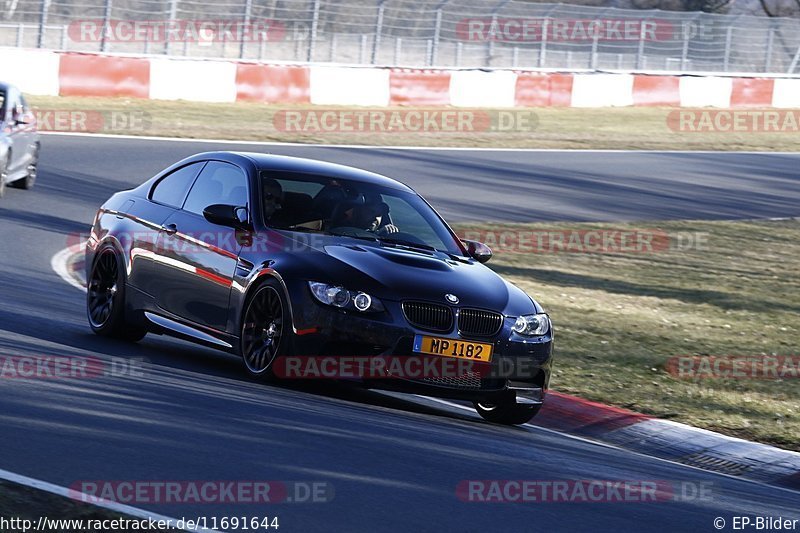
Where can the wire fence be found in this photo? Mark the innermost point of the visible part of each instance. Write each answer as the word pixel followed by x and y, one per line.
pixel 424 33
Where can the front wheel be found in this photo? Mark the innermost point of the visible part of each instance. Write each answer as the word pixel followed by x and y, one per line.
pixel 509 412
pixel 266 329
pixel 30 172
pixel 105 298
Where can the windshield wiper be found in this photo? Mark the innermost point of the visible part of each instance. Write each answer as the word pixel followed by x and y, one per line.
pixel 409 244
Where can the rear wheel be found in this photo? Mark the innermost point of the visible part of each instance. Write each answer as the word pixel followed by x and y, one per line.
pixel 30 176
pixel 265 330
pixel 508 412
pixel 105 298
pixel 3 176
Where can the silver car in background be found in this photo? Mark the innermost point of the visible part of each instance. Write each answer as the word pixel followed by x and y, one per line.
pixel 19 140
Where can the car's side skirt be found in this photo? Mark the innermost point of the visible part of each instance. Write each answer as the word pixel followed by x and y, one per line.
pixel 185 331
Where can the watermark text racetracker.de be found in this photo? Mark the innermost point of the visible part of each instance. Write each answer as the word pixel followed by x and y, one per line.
pixel 399 121
pixel 539 29
pixel 189 492
pixel 536 491
pixel 91 121
pixel 734 121
pixel 597 240
pixel 56 367
pixel 225 242
pixel 759 367
pixel 577 30
pixel 185 30
pixel 411 367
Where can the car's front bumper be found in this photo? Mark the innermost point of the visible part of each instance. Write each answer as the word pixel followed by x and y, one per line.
pixel 520 365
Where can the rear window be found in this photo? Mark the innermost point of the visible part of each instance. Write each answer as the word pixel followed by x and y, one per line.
pixel 172 189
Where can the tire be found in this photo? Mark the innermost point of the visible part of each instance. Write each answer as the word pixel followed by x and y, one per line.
pixel 265 333
pixel 508 413
pixel 3 175
pixel 105 298
pixel 30 178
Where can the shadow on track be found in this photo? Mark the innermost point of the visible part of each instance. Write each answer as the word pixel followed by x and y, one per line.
pixel 161 354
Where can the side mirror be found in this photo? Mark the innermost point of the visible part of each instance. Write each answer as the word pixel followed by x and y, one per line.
pixel 478 251
pixel 227 215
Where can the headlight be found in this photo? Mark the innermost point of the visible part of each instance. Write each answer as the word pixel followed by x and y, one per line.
pixel 531 325
pixel 340 297
pixel 362 301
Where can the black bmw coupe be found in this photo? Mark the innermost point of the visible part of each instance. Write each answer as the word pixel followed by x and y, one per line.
pixel 310 269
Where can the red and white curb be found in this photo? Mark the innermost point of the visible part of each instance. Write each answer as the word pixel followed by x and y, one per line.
pixel 671 440
pixel 625 429
pixel 60 73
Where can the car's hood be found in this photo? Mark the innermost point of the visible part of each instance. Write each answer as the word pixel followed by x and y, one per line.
pixel 395 273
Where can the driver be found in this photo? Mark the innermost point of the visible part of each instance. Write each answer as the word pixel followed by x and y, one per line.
pixel 372 216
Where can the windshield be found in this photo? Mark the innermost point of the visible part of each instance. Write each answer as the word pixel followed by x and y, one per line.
pixel 332 206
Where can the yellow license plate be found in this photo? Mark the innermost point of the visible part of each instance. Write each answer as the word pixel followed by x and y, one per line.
pixel 474 351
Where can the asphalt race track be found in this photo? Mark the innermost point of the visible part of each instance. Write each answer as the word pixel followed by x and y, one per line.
pixel 483 185
pixel 394 462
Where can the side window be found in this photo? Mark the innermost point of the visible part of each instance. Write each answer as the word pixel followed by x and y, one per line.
pixel 172 189
pixel 218 183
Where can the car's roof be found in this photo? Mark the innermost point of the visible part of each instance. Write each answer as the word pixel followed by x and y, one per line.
pixel 302 165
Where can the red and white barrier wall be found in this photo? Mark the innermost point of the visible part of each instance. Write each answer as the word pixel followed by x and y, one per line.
pixel 46 72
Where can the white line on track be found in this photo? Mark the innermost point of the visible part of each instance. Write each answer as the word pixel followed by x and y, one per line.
pixel 59 263
pixel 528 425
pixel 416 148
pixel 79 496
pixel 625 450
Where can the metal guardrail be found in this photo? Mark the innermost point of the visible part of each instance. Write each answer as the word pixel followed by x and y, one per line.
pixel 425 33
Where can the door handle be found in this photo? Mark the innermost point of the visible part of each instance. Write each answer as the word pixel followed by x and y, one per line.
pixel 169 229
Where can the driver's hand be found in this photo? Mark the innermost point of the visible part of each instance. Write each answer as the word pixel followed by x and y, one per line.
pixel 389 228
